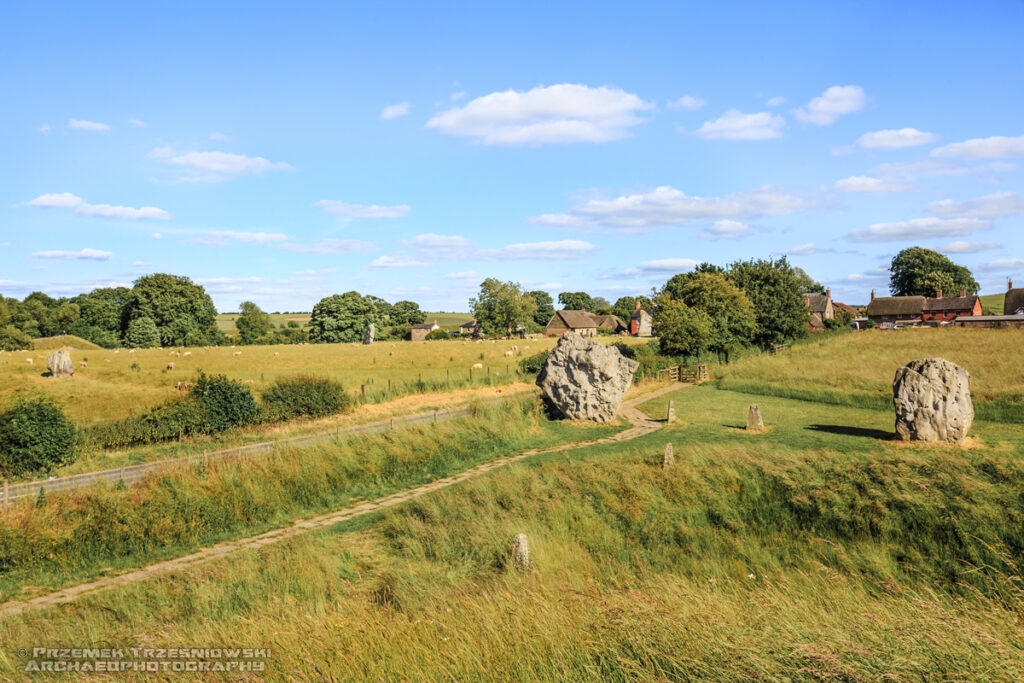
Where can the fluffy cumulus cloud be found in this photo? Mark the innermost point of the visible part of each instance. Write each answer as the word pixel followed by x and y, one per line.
pixel 222 238
pixel 996 205
pixel 831 104
pixel 983 148
pixel 894 139
pixel 808 249
pixel 330 246
pixel 82 255
pixel 859 183
pixel 961 247
pixel 735 125
pixel 338 208
pixel 919 229
pixel 93 126
pixel 1003 265
pixel 546 114
pixel 434 247
pixel 665 265
pixel 688 102
pixel 921 169
pixel 393 111
pixel 666 206
pixel 725 229
pixel 399 261
pixel 66 200
pixel 559 250
pixel 215 167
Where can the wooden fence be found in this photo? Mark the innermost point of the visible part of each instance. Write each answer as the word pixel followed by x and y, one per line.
pixel 133 474
pixel 694 374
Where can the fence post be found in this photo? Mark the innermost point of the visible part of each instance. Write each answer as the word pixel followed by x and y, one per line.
pixel 389 386
pixel 362 390
pixel 7 492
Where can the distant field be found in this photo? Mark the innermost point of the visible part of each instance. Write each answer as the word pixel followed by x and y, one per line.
pixel 226 321
pixel 992 304
pixel 857 368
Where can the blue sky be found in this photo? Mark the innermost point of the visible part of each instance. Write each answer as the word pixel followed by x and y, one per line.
pixel 409 150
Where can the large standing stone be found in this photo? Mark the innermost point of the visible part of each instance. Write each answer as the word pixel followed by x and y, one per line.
pixel 933 401
pixel 584 380
pixel 755 422
pixel 59 363
pixel 520 552
pixel 371 332
pixel 669 458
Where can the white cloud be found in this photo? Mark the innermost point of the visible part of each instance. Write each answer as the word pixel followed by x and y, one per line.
pixel 918 169
pixel 45 128
pixel 667 265
pixel 542 251
pixel 221 238
pixel 918 228
pixel 552 114
pixel 776 102
pixel 666 206
pixel 433 241
pixel 808 249
pixel 1003 265
pixel 688 102
pixel 968 247
pixel 83 255
pixel 735 125
pixel 219 137
pixel 93 126
pixel 137 123
pixel 725 229
pixel 831 104
pixel 867 184
pixel 983 148
pixel 894 139
pixel 996 205
pixel 384 262
pixel 330 246
pixel 66 200
pixel 393 111
pixel 338 208
pixel 463 275
pixel 215 167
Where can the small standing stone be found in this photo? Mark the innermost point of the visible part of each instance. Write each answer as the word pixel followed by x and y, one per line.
pixel 754 421
pixel 520 552
pixel 59 363
pixel 371 332
pixel 669 458
pixel 671 412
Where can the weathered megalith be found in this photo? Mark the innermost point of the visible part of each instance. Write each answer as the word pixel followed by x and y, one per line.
pixel 520 552
pixel 669 458
pixel 932 398
pixel 371 332
pixel 59 363
pixel 755 422
pixel 584 380
pixel 671 417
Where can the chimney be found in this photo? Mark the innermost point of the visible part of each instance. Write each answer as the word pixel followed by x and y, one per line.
pixel 1009 283
pixel 938 294
pixel 435 321
pixel 828 294
pixel 963 292
pixel 872 295
pixel 638 304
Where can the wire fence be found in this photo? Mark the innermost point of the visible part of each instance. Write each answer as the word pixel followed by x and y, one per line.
pixel 133 474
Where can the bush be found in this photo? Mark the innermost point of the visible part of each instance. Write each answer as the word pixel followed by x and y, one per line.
pixel 13 339
pixel 303 396
pixel 35 436
pixel 532 365
pixel 437 334
pixel 625 349
pixel 226 403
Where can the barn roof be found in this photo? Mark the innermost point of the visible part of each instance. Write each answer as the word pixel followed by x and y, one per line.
pixel 817 302
pixel 951 303
pixel 845 307
pixel 572 320
pixel 896 305
pixel 1014 301
pixel 609 321
pixel 423 326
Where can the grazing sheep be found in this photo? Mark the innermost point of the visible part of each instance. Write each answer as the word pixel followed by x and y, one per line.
pixel 515 348
pixel 117 350
pixel 170 366
pixel 509 354
pixel 478 366
pixel 106 360
pixel 172 353
pixel 133 351
pixel 238 353
pixel 187 353
pixel 29 361
pixel 183 386
pixel 82 364
pixel 276 354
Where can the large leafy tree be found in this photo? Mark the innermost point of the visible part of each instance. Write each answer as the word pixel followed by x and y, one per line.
pixel 624 307
pixel 674 287
pixel 684 331
pixel 545 306
pixel 182 311
pixel 807 283
pixel 407 313
pixel 501 307
pixel 577 301
pixel 252 322
pixel 100 316
pixel 773 287
pixel 732 317
pixel 343 318
pixel 142 334
pixel 916 271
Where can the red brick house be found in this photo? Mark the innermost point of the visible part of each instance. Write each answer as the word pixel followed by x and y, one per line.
pixel 946 309
pixel 640 322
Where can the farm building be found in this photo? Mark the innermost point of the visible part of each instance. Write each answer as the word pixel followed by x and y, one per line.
pixel 1013 304
pixel 420 332
pixel 471 327
pixel 821 308
pixel 946 309
pixel 610 323
pixel 580 322
pixel 640 322
pixel 839 306
pixel 990 321
pixel 888 311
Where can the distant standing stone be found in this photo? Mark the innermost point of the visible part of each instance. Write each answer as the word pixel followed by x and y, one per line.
pixel 371 332
pixel 932 398
pixel 59 363
pixel 754 421
pixel 671 412
pixel 670 458
pixel 520 552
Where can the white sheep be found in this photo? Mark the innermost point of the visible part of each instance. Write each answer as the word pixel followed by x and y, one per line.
pixel 170 366
pixel 237 353
pixel 509 354
pixel 29 361
pixel 187 353
pixel 478 366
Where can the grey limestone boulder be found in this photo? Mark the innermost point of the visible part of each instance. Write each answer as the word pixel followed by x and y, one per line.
pixel 59 363
pixel 371 332
pixel 584 380
pixel 933 401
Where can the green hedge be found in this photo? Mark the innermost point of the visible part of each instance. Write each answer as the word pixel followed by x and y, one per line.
pixel 35 436
pixel 303 396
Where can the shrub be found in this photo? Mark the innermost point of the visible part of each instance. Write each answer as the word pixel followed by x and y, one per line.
pixel 532 365
pixel 142 334
pixel 437 334
pixel 13 339
pixel 35 436
pixel 625 349
pixel 303 396
pixel 226 403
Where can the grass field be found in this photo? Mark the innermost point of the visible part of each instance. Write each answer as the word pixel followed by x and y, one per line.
pixel 992 304
pixel 857 369
pixel 449 321
pixel 818 549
